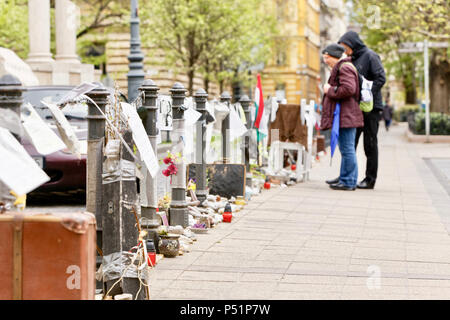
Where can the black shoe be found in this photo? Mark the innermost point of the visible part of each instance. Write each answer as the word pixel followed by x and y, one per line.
pixel 365 185
pixel 334 181
pixel 341 186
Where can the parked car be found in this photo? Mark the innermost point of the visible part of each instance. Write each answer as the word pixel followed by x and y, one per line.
pixel 65 170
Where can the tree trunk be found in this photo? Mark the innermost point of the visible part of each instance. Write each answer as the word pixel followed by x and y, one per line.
pixel 191 74
pixel 409 81
pixel 206 83
pixel 221 85
pixel 439 84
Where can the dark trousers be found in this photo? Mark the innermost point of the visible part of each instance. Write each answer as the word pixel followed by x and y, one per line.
pixel 370 129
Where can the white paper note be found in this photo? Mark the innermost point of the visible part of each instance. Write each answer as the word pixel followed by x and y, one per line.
pixel 44 139
pixel 237 128
pixel 77 91
pixel 140 138
pixel 17 169
pixel 65 129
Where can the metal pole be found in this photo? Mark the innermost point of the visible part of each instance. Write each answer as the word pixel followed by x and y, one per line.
pixel 120 232
pixel 245 102
pixel 200 172
pixel 94 159
pixel 136 74
pixel 178 214
pixel 149 197
pixel 95 140
pixel 427 90
pixel 226 98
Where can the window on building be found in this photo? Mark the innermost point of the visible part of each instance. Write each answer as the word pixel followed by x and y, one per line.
pixel 281 53
pixel 280 92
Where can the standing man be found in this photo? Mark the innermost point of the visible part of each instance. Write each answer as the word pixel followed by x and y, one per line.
pixel 369 65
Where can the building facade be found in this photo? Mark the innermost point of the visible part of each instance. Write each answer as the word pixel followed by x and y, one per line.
pixel 293 72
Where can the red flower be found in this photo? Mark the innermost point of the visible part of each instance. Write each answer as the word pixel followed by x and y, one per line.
pixel 166 172
pixel 172 169
pixel 168 160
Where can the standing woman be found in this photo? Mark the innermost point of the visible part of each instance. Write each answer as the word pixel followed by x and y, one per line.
pixel 343 87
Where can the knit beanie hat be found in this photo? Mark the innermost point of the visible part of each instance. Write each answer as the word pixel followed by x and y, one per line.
pixel 334 50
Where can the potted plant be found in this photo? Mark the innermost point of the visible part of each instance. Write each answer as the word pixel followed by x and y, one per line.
pixel 169 243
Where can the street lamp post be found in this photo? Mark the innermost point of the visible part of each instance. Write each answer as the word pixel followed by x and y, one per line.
pixel 136 74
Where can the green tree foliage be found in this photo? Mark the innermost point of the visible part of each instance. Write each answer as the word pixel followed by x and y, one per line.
pixel 14 26
pixel 215 38
pixel 98 17
pixel 386 24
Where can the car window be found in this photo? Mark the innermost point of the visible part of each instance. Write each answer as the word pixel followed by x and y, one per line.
pixel 74 110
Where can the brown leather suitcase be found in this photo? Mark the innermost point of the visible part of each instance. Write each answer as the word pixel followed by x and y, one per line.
pixel 47 256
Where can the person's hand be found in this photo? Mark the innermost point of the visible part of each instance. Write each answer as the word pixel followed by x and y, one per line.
pixel 326 87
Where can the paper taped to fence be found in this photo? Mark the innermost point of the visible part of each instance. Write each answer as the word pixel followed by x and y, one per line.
pixel 77 91
pixel 140 138
pixel 44 139
pixel 65 129
pixel 17 169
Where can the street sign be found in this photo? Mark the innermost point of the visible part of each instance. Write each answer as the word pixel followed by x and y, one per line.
pixel 410 50
pixel 438 44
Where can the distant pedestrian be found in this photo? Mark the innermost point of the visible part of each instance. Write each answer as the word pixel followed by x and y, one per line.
pixel 388 112
pixel 343 88
pixel 370 67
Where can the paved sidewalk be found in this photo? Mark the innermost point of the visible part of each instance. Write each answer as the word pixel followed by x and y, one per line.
pixel 311 242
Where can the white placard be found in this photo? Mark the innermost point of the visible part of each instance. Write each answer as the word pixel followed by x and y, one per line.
pixel 140 138
pixel 44 139
pixel 65 129
pixel 164 104
pixel 237 128
pixel 77 91
pixel 17 169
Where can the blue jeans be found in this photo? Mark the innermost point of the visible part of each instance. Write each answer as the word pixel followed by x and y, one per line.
pixel 349 165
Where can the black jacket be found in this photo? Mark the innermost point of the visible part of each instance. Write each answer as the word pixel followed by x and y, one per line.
pixel 368 64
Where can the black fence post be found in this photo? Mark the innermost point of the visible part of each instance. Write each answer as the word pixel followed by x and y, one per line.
pixel 226 98
pixel 245 103
pixel 200 171
pixel 94 161
pixel 178 214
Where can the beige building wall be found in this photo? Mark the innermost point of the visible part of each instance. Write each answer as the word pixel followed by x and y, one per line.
pixel 117 51
pixel 296 62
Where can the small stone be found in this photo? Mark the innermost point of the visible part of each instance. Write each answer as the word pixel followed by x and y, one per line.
pixel 124 296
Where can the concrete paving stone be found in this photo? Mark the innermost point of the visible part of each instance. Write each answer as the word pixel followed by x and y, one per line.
pixel 379 253
pixel 313 279
pixel 252 290
pixel 159 274
pixel 422 268
pixel 375 290
pixel 285 295
pixel 308 287
pixel 321 259
pixel 391 244
pixel 209 276
pixel 373 296
pixel 384 281
pixel 386 267
pixel 439 283
pixel 342 251
pixel 316 268
pixel 259 277
pixel 202 284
